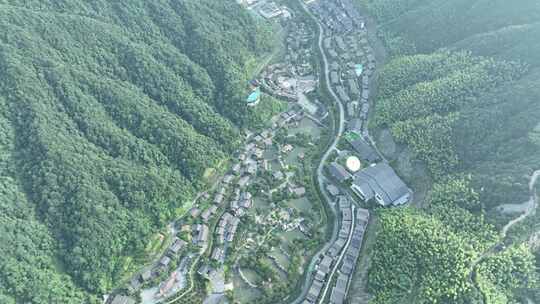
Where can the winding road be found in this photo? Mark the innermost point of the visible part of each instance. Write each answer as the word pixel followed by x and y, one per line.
pixel 320 176
pixel 533 205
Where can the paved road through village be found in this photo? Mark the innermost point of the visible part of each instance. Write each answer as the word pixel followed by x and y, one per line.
pixel 320 176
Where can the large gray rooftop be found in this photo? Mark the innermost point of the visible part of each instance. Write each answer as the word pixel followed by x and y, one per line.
pixel 365 150
pixel 382 181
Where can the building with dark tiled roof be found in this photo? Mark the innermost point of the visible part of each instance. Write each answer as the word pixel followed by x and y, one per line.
pixel 342 94
pixel 382 183
pixel 334 78
pixel 119 299
pixel 338 172
pixel 314 291
pixel 325 264
pixel 177 246
pixel 365 150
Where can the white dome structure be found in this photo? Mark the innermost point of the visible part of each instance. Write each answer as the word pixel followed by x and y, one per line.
pixel 353 164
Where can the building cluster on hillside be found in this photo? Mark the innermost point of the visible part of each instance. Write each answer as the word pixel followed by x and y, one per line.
pixel 232 195
pixel 339 16
pixel 225 232
pixel 299 53
pixel 350 258
pixel 352 64
pixel 278 81
pixel 173 252
pixel 294 78
pixel 377 181
pixel 352 61
pixel 342 255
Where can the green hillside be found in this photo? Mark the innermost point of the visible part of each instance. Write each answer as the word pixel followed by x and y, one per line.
pixel 433 24
pixel 460 92
pixel 110 114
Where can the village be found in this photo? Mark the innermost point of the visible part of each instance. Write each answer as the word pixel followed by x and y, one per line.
pixel 257 223
pixel 254 235
pixel 356 172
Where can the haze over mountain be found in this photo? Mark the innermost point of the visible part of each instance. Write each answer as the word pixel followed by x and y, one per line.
pixel 460 93
pixel 114 114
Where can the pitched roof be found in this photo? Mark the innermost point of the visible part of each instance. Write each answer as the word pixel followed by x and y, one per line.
pixel 355 124
pixel 177 245
pixel 333 190
pixel 362 214
pixel 325 264
pixel 122 300
pixel 344 202
pixel 165 261
pixel 383 180
pixel 365 150
pixel 337 296
pixel 146 275
pixel 342 95
pixel 338 172
pixel 346 215
pixel 314 291
pixel 334 78
pixel 341 282
pixel 353 87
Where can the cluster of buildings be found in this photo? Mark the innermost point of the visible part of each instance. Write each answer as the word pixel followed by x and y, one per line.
pixel 352 61
pixel 341 257
pixel 286 118
pixel 120 299
pixel 232 194
pixel 173 252
pixel 378 181
pixel 295 75
pixel 352 65
pixel 295 78
pixel 338 16
pixel 280 81
pixel 350 258
pixel 298 46
pixel 225 233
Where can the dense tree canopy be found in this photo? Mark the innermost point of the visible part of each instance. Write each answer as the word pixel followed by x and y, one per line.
pixel 111 112
pixel 460 90
pixel 418 260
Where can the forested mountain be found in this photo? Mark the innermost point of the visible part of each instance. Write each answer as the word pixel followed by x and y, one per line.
pixel 461 93
pixel 110 114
